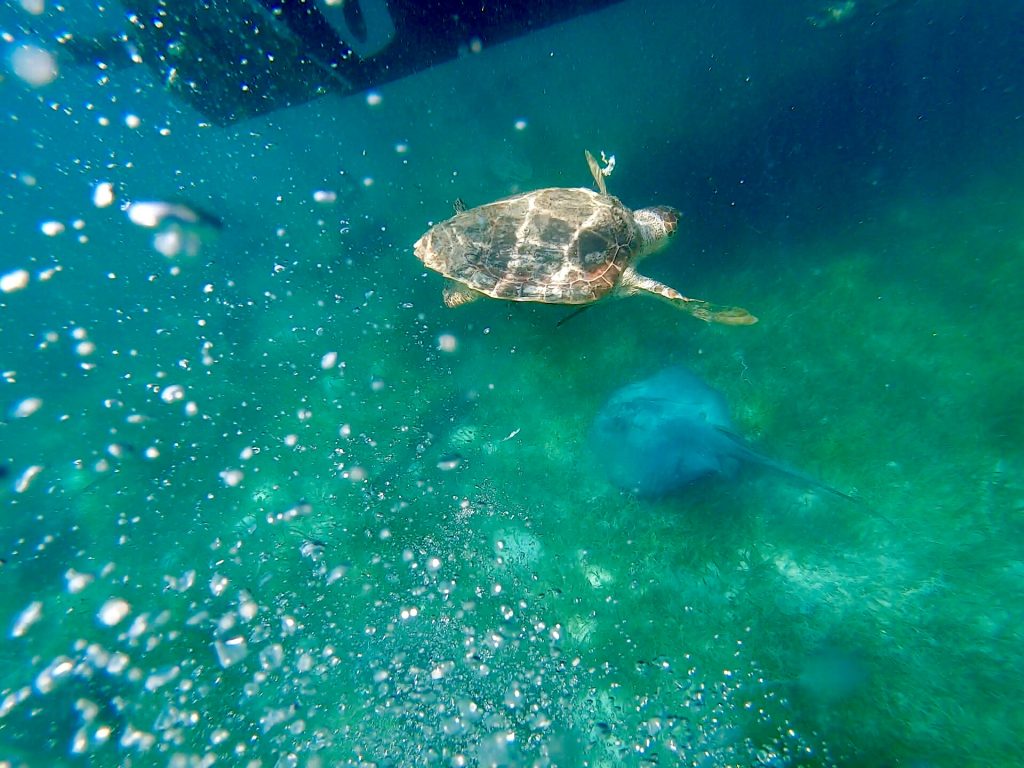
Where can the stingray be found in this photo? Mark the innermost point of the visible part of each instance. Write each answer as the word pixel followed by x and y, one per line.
pixel 657 436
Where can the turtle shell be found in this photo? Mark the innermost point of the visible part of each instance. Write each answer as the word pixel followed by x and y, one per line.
pixel 558 246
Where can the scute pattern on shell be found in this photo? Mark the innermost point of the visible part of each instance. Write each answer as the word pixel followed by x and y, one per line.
pixel 559 246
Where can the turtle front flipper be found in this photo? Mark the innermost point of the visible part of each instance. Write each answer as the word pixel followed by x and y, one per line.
pixel 595 171
pixel 633 283
pixel 712 313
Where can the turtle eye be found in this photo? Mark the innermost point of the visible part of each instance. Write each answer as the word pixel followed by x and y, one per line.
pixel 670 217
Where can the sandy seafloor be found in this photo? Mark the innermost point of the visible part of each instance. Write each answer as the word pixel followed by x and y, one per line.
pixel 231 533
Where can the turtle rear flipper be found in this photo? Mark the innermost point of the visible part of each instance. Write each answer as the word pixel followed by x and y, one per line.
pixel 456 294
pixel 633 283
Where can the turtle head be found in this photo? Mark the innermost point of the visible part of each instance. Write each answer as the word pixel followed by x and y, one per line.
pixel 657 225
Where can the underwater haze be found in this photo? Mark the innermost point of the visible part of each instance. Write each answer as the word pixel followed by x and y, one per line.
pixel 268 502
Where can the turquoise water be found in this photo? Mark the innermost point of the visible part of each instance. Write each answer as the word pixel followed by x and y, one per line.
pixel 233 531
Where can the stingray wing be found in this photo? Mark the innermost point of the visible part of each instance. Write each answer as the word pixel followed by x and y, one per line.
pixel 653 446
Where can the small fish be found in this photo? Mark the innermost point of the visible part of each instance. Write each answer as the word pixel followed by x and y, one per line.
pixel 449 461
pixel 157 213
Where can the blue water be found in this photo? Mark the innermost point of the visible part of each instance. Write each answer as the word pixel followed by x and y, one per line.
pixel 267 501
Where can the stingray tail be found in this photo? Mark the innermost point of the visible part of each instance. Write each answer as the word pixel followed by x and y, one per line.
pixel 748 454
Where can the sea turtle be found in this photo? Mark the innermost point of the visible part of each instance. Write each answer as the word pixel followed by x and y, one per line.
pixel 557 246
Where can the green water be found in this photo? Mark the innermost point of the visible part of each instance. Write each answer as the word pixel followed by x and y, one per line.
pixel 233 533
